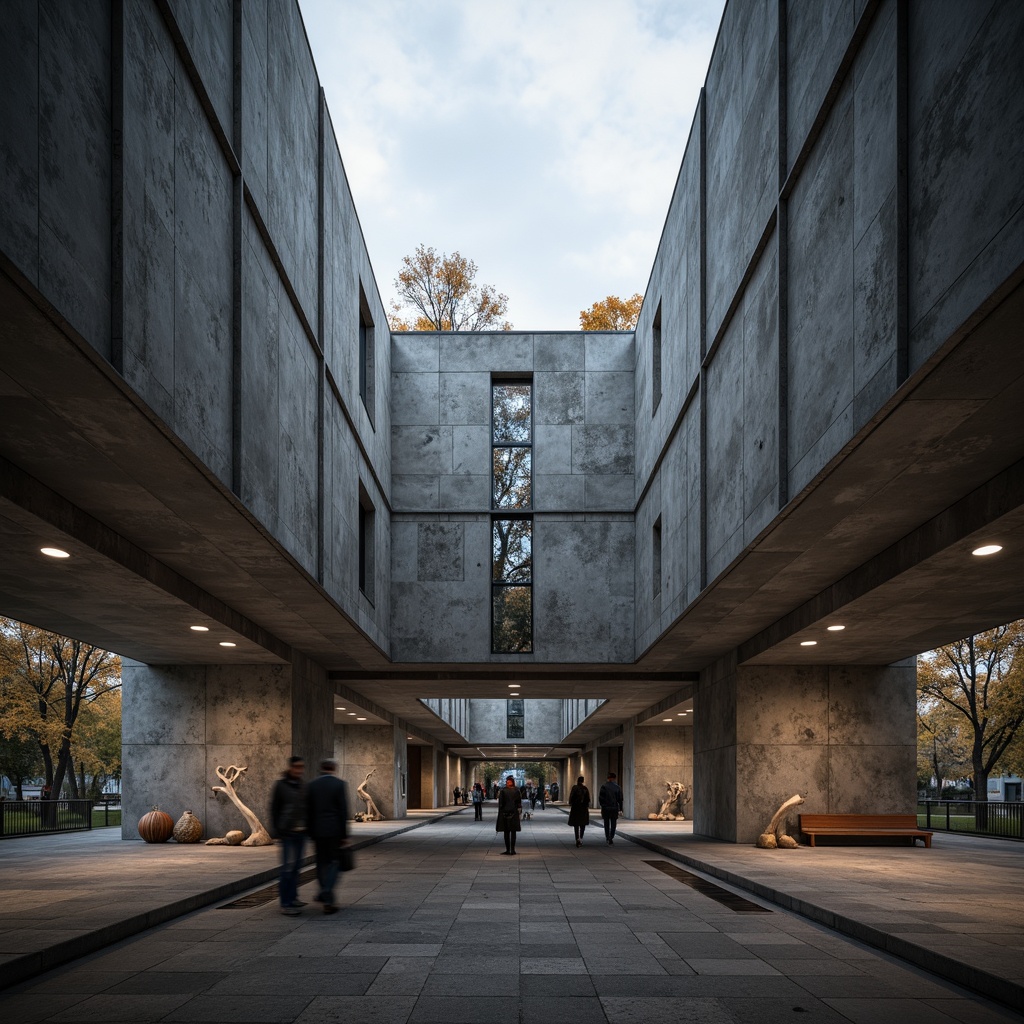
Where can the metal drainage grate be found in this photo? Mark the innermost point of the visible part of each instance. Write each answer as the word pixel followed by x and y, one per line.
pixel 264 895
pixel 706 888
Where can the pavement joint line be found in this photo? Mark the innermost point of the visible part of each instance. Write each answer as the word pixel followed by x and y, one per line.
pixel 989 985
pixel 31 965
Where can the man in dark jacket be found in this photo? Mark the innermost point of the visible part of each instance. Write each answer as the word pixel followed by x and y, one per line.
pixel 288 823
pixel 327 821
pixel 610 799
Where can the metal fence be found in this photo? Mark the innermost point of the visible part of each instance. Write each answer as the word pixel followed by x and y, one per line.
pixel 41 817
pixel 1002 819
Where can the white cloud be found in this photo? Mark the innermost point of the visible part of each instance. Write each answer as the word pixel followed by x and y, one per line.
pixel 541 138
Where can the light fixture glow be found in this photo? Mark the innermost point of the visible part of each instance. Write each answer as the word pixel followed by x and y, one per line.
pixel 352 714
pixel 835 629
pixel 514 686
pixel 666 719
pixel 360 719
pixel 227 643
pixel 985 549
pixel 54 552
pixel 200 629
pixel 808 643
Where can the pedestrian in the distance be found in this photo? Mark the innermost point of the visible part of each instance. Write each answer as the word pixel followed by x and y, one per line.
pixel 288 822
pixel 610 799
pixel 510 807
pixel 327 820
pixel 478 802
pixel 579 809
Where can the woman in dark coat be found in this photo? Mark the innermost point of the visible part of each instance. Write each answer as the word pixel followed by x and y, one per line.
pixel 579 809
pixel 510 804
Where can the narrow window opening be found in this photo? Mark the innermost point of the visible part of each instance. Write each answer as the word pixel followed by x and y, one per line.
pixel 656 361
pixel 367 517
pixel 656 557
pixel 512 531
pixel 515 720
pixel 366 355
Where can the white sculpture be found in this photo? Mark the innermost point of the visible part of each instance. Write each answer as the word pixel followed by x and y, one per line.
pixel 774 836
pixel 672 806
pixel 372 812
pixel 259 835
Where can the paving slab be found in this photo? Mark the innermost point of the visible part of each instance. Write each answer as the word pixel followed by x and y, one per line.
pixel 435 925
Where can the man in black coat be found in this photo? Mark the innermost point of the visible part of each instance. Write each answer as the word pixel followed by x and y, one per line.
pixel 610 799
pixel 288 822
pixel 327 820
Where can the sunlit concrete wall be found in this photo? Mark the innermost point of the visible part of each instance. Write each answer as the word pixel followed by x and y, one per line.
pixel 582 494
pixel 823 240
pixel 195 228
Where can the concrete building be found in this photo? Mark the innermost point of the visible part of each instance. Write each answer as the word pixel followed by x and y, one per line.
pixel 747 516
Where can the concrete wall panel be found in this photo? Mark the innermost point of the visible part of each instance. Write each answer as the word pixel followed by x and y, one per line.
pixel 742 136
pixel 821 301
pixel 817 35
pixel 207 28
pixel 74 166
pixel 966 130
pixel 19 140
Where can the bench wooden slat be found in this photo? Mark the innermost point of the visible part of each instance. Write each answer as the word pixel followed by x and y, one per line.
pixel 863 825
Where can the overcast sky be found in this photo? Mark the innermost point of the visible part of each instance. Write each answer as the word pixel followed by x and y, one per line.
pixel 540 138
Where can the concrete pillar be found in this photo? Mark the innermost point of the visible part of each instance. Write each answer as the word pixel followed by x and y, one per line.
pixel 179 722
pixel 843 737
pixel 380 749
pixel 661 753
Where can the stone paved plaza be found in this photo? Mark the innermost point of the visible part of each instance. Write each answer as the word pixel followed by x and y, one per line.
pixel 435 925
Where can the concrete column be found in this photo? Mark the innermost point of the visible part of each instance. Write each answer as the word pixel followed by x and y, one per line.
pixel 380 749
pixel 661 753
pixel 843 737
pixel 179 722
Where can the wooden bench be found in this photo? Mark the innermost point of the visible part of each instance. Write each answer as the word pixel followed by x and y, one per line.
pixel 813 825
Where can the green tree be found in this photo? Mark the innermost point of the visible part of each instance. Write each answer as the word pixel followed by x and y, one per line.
pixel 612 314
pixel 440 293
pixel 979 683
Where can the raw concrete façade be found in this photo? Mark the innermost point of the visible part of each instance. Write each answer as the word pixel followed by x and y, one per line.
pixel 815 422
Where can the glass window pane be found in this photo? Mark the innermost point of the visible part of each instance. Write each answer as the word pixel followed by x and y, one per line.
pixel 512 620
pixel 511 477
pixel 512 551
pixel 511 413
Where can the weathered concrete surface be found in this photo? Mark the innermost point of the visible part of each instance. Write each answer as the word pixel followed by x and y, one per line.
pixel 842 737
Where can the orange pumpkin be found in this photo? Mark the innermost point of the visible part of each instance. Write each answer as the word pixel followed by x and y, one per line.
pixel 156 826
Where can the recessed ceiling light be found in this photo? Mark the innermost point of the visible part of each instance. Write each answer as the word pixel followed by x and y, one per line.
pixel 985 549
pixel 200 629
pixel 352 714
pixel 514 686
pixel 666 719
pixel 360 719
pixel 227 643
pixel 808 643
pixel 835 629
pixel 55 552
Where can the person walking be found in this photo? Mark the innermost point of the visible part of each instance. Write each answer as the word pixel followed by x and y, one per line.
pixel 288 823
pixel 455 794
pixel 579 809
pixel 510 807
pixel 610 799
pixel 478 802
pixel 327 821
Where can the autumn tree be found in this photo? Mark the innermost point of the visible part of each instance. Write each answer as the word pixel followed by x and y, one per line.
pixel 612 314
pixel 439 293
pixel 48 680
pixel 943 750
pixel 979 684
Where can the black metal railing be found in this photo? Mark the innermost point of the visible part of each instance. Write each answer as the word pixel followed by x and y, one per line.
pixel 1001 819
pixel 42 817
